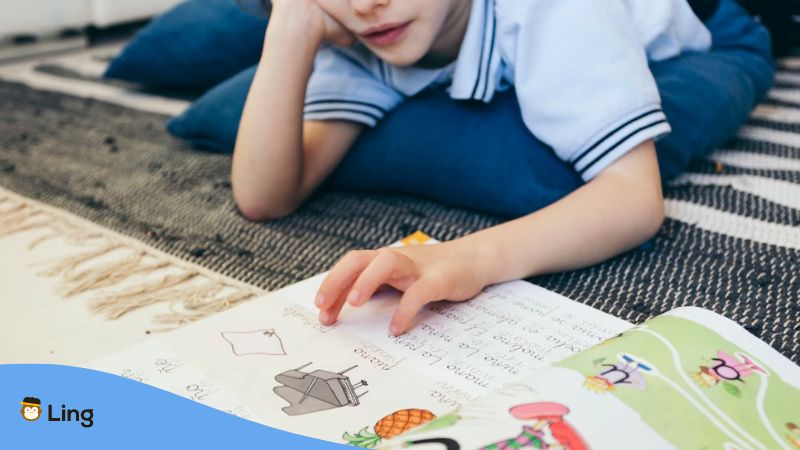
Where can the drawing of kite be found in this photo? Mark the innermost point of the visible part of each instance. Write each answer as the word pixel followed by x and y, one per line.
pixel 320 390
pixel 258 342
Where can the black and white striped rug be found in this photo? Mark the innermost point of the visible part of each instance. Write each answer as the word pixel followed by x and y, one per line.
pixel 98 150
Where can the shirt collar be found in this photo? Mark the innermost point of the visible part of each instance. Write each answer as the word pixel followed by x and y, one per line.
pixel 474 72
pixel 474 76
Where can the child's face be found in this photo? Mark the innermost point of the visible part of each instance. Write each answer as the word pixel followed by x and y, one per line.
pixel 400 32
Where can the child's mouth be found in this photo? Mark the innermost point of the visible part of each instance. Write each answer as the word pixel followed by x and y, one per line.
pixel 385 34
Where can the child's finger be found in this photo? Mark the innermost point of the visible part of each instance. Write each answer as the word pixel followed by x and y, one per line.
pixel 342 276
pixel 386 266
pixel 415 297
pixel 329 315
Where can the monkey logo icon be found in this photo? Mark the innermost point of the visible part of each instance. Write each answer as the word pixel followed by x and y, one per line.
pixel 31 408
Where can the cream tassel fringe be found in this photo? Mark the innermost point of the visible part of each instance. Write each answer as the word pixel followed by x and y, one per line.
pixel 102 271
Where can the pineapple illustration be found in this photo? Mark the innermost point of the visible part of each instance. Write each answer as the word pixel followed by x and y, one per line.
pixel 389 427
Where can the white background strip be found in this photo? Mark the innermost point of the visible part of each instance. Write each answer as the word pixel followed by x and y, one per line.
pixel 792 62
pixel 717 221
pixel 777 114
pixel 787 95
pixel 749 160
pixel 86 63
pixel 777 191
pixel 109 93
pixel 769 135
pixel 787 77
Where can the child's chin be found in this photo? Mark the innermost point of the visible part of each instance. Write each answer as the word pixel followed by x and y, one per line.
pixel 401 57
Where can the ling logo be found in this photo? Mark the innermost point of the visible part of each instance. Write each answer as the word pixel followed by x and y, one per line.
pixel 31 408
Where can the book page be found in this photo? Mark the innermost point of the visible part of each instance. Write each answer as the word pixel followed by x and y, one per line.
pixel 507 331
pixel 686 379
pixel 154 363
pixel 348 382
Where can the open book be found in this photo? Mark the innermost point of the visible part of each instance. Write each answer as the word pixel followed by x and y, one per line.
pixel 516 367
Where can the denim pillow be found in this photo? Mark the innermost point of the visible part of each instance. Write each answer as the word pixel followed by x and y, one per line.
pixel 212 121
pixel 461 140
pixel 192 47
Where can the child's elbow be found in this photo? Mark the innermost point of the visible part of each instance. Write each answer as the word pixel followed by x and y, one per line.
pixel 258 208
pixel 653 215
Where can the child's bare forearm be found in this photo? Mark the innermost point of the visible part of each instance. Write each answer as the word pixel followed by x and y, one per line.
pixel 267 168
pixel 617 211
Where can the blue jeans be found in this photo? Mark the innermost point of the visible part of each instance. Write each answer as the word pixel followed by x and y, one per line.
pixel 482 157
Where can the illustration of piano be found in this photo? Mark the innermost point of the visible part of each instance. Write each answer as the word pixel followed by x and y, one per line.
pixel 320 390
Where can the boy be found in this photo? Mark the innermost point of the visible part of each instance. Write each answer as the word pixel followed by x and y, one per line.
pixel 330 68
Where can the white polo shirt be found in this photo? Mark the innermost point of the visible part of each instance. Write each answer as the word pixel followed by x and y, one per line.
pixel 579 67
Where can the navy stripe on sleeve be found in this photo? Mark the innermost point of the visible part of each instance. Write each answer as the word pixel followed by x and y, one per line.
pixel 340 109
pixel 619 143
pixel 341 101
pixel 327 113
pixel 577 161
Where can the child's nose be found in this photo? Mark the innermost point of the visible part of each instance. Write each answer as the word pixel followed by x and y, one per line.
pixel 365 7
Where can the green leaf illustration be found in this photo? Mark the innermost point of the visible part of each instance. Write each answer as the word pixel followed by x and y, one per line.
pixel 730 388
pixel 363 439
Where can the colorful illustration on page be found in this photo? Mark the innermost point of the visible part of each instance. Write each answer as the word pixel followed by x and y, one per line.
pixel 628 372
pixel 389 426
pixel 545 428
pixel 728 371
pixel 719 394
pixel 794 434
pixel 429 443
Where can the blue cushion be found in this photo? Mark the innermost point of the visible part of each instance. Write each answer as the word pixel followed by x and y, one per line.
pixel 212 121
pixel 192 47
pixel 437 151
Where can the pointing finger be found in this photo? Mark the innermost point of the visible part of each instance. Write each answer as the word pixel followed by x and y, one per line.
pixel 386 267
pixel 341 277
pixel 330 314
pixel 418 295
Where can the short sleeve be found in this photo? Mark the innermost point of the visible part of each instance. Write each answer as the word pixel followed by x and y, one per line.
pixel 342 88
pixel 582 78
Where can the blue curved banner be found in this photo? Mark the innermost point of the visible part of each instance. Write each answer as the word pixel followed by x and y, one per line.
pixel 51 406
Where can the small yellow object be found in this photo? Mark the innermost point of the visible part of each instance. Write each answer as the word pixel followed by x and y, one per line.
pixel 417 238
pixel 598 384
pixel 718 167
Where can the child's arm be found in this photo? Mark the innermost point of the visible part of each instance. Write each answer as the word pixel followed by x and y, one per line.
pixel 278 160
pixel 616 211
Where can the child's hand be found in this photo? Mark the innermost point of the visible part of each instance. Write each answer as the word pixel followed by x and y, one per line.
pixel 311 18
pixel 424 273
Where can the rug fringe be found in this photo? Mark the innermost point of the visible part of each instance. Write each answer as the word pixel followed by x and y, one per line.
pixel 192 292
pixel 107 275
pixel 17 219
pixel 197 299
pixel 200 310
pixel 169 288
pixel 66 267
pixel 41 240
